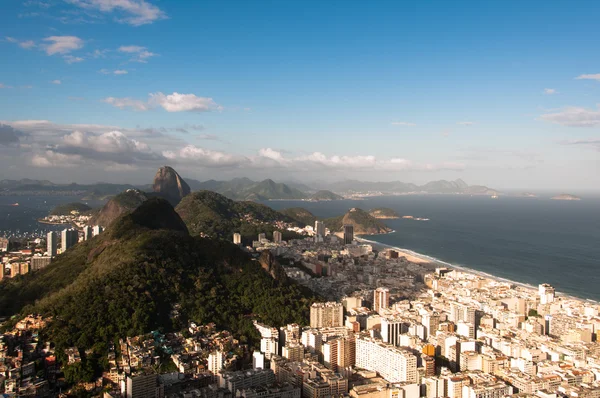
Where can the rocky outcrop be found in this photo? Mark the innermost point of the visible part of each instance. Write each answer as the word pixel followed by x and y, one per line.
pixel 269 264
pixel 168 184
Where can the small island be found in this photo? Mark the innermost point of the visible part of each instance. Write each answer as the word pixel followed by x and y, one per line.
pixel 565 196
pixel 384 213
pixel 528 195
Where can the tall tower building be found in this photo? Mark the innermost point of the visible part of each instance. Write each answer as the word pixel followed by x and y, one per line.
pixel 237 239
pixel 69 238
pixel 348 234
pixel 319 228
pixel 215 362
pixel 326 315
pixel 391 329
pixel 52 244
pixel 97 230
pixel 87 232
pixel 546 293
pixel 381 299
pixel 276 237
pixel 142 386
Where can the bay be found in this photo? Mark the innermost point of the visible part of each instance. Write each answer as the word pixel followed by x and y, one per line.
pixel 527 240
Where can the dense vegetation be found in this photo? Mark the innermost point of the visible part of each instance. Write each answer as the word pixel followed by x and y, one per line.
pixel 246 189
pixel 362 221
pixel 300 214
pixel 216 216
pixel 383 212
pixel 146 272
pixel 123 203
pixel 67 208
pixel 326 195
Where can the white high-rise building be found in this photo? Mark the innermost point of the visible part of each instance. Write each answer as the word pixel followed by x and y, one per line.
pixel 546 293
pixel 52 244
pixel 391 329
pixel 69 238
pixel 258 360
pixel 381 299
pixel 97 230
pixel 319 228
pixel 215 362
pixel 326 315
pixel 392 363
pixel 277 237
pixel 269 342
pixel 87 232
pixel 237 239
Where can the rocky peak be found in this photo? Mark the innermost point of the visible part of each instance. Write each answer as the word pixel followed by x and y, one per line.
pixel 169 184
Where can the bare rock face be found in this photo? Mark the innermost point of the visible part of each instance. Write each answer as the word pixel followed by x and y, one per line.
pixel 169 184
pixel 270 265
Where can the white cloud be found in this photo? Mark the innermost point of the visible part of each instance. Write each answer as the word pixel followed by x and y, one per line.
pixel 62 44
pixel 56 81
pixel 107 149
pixel 595 76
pixel 115 72
pixel 4 86
pixel 124 103
pixel 550 91
pixel 574 117
pixel 140 54
pixel 136 12
pixel 206 157
pixel 171 103
pixel 466 123
pixel 183 102
pixel 26 44
pixel 269 158
pixel 70 59
pixel 49 158
pixel 403 124
pixel 113 141
pixel 99 53
pixel 594 142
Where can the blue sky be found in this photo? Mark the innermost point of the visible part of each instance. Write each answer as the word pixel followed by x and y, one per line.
pixel 503 94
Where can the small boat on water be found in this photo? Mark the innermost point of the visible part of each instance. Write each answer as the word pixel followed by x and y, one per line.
pixel 15 204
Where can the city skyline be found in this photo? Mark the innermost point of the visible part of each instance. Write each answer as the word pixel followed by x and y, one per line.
pixel 100 90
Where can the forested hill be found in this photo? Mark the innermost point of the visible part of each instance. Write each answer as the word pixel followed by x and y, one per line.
pixel 129 279
pixel 214 215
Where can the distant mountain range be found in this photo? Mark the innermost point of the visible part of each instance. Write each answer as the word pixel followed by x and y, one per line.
pixel 242 188
pixel 392 187
pixel 246 189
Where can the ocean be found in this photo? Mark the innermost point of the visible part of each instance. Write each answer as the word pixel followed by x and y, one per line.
pixel 526 240
pixel 21 220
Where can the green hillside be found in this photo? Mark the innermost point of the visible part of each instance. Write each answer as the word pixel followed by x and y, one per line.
pixel 128 280
pixel 301 215
pixel 214 215
pixel 362 221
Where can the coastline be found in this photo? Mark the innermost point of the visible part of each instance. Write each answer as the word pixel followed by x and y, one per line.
pixel 425 260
